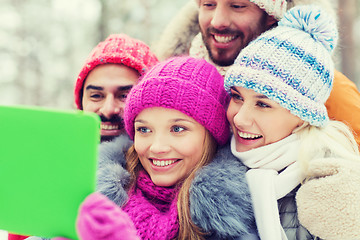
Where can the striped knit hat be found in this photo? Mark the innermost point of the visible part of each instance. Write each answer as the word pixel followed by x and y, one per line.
pixel 119 49
pixel 275 8
pixel 191 86
pixel 291 64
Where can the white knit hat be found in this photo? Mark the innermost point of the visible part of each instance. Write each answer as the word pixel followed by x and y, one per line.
pixel 291 64
pixel 275 8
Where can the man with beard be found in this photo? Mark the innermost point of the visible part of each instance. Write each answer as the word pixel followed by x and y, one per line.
pixel 217 30
pixel 111 70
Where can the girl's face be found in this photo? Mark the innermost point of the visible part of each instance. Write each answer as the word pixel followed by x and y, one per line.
pixel 258 121
pixel 169 144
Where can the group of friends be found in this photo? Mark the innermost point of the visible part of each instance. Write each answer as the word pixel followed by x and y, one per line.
pixel 244 131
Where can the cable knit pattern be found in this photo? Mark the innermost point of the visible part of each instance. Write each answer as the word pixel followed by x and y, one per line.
pixel 153 209
pixel 191 86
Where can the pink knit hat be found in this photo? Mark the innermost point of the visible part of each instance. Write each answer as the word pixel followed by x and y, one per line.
pixel 191 86
pixel 117 48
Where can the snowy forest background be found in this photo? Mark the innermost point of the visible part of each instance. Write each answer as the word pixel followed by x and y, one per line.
pixel 43 43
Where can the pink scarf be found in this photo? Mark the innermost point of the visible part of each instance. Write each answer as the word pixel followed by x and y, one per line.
pixel 153 209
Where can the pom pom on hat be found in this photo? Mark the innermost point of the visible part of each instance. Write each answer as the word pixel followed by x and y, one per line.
pixel 191 86
pixel 118 49
pixel 312 20
pixel 291 64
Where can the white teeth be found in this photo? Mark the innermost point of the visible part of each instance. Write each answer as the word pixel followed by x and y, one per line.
pixel 109 127
pixel 224 39
pixel 248 135
pixel 163 163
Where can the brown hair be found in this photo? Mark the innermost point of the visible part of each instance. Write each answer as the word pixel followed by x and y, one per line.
pixel 187 229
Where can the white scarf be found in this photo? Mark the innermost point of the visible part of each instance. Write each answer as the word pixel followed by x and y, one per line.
pixel 267 185
pixel 198 50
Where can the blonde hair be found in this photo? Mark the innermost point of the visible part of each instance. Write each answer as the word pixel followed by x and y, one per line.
pixel 187 229
pixel 333 140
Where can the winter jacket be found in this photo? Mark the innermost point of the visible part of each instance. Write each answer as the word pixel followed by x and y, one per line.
pixel 223 212
pixel 344 101
pixel 289 218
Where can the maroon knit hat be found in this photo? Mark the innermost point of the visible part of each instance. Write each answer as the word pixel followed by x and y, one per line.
pixel 120 49
pixel 191 86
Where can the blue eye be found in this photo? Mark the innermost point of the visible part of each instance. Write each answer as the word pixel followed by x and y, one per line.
pixel 143 130
pixel 178 129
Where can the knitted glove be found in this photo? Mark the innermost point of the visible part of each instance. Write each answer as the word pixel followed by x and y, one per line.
pixel 329 203
pixel 101 219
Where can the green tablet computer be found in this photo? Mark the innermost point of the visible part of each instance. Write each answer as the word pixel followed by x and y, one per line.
pixel 48 161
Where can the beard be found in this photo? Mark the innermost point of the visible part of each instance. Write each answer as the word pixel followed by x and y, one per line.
pixel 107 138
pixel 220 59
pixel 226 57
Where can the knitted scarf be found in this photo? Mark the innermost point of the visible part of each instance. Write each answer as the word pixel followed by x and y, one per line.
pixel 153 209
pixel 198 50
pixel 274 172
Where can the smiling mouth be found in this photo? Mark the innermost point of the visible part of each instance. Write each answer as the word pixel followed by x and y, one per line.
pixel 224 38
pixel 163 163
pixel 249 136
pixel 110 127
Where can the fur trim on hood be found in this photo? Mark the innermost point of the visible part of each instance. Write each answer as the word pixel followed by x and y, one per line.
pixel 220 201
pixel 111 174
pixel 177 36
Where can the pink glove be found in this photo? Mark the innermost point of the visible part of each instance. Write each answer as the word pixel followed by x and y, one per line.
pixel 101 219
